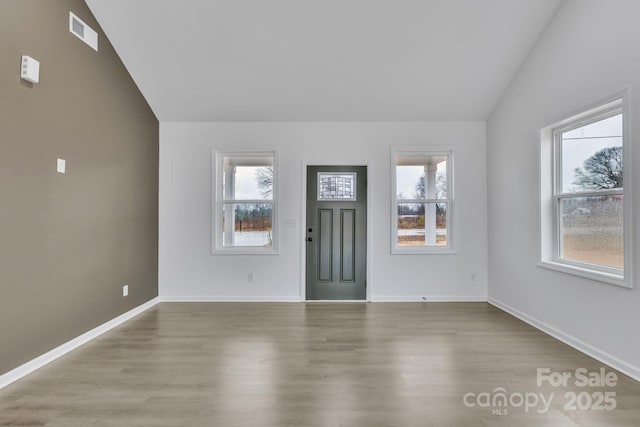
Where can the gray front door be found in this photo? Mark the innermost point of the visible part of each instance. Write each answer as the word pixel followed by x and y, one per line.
pixel 336 232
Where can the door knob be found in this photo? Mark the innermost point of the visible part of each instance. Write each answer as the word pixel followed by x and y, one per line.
pixel 309 239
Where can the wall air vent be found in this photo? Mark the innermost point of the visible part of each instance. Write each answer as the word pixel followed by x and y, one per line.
pixel 82 31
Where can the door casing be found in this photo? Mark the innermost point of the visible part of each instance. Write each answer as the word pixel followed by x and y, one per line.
pixel 303 229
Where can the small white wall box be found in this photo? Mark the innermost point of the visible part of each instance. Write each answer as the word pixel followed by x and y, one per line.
pixel 30 69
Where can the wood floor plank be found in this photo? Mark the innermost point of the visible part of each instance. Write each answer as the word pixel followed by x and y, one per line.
pixel 320 364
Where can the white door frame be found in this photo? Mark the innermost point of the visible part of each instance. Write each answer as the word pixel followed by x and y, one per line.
pixel 303 227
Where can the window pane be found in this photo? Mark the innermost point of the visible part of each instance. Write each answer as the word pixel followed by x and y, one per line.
pixel 592 156
pixel 251 224
pixel 426 180
pixel 410 182
pixel 336 186
pixel 422 224
pixel 592 230
pixel 248 178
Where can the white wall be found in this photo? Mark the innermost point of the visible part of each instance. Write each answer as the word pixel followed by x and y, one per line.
pixel 590 50
pixel 189 271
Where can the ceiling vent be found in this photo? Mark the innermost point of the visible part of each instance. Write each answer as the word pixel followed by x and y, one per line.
pixel 82 31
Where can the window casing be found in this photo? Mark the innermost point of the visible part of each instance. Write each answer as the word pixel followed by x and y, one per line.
pixel 585 206
pixel 421 200
pixel 245 203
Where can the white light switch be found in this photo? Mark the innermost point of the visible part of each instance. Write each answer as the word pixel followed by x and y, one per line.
pixel 30 69
pixel 62 166
pixel 125 290
pixel 290 222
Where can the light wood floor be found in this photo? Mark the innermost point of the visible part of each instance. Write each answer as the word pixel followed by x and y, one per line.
pixel 343 364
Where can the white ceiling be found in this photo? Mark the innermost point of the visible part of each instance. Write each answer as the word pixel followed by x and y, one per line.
pixel 322 60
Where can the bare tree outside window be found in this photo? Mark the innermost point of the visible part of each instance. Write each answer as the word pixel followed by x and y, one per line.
pixel 264 176
pixel 441 186
pixel 601 171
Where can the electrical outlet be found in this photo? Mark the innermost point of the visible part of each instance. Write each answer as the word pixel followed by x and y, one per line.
pixel 125 290
pixel 250 277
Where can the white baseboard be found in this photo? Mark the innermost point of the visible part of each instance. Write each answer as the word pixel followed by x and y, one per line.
pixel 383 298
pixel 215 298
pixel 48 357
pixel 602 356
pixel 438 298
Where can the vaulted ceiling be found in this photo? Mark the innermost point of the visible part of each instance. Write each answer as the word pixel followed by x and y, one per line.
pixel 322 60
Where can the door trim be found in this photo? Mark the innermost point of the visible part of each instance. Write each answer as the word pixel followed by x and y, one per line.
pixel 303 227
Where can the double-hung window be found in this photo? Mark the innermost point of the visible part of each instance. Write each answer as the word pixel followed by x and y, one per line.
pixel 245 203
pixel 584 230
pixel 422 203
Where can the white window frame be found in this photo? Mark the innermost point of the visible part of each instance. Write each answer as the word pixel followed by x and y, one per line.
pixel 444 151
pixel 218 247
pixel 551 194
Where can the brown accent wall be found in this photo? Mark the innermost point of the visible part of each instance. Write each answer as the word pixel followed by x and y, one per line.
pixel 69 242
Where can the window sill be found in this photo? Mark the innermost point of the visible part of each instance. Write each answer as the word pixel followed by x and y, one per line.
pixel 598 276
pixel 423 251
pixel 245 251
